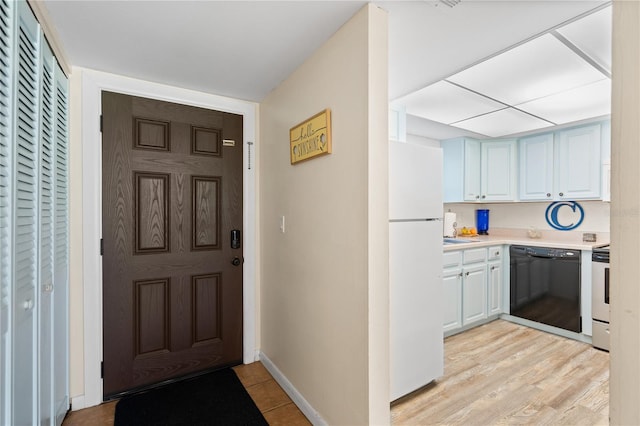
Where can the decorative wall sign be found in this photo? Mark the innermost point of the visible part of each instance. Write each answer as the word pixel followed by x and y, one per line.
pixel 311 138
pixel 573 213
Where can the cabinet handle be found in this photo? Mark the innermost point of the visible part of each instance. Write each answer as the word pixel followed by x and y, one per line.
pixel 493 268
pixel 27 305
pixel 561 194
pixel 460 275
pixel 548 194
pixel 477 197
pixel 467 274
pixel 497 253
pixel 483 197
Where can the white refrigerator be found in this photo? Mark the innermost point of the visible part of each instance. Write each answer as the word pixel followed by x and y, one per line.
pixel 415 266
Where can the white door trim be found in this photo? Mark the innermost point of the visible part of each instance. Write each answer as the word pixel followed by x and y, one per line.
pixel 93 83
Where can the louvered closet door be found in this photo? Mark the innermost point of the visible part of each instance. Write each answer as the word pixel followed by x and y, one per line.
pixel 47 237
pixel 5 234
pixel 25 201
pixel 34 225
pixel 61 249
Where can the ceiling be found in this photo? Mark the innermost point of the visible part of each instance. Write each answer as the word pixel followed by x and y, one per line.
pixel 245 49
pixel 560 77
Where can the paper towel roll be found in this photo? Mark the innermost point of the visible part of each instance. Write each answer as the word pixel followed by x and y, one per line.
pixel 450 224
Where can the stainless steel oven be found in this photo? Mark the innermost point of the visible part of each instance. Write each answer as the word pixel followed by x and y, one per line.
pixel 600 297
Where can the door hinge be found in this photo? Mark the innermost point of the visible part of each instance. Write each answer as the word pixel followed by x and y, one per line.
pixel 101 123
pixel 102 369
pixel 101 247
pixel 249 144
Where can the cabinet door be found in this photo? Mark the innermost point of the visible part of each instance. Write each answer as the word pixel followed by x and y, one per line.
pixel 494 275
pixel 453 170
pixel 474 293
pixel 472 155
pixel 498 170
pixel 452 287
pixel 536 167
pixel 606 181
pixel 578 163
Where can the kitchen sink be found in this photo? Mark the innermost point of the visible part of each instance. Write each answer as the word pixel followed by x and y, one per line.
pixel 447 241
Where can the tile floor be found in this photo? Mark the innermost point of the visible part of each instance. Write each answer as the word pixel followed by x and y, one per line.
pixel 273 402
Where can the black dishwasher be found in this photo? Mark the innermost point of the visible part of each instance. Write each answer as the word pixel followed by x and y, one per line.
pixel 545 286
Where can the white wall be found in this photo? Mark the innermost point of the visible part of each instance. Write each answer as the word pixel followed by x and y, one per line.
pixel 422 140
pixel 324 282
pixel 525 215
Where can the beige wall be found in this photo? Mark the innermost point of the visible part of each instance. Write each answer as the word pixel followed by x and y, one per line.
pixel 324 282
pixel 625 216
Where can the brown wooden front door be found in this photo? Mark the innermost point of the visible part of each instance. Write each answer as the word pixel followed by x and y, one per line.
pixel 172 195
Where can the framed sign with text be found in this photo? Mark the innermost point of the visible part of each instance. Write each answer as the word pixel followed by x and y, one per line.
pixel 311 138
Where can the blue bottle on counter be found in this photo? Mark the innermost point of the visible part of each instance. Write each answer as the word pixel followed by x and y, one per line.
pixel 482 221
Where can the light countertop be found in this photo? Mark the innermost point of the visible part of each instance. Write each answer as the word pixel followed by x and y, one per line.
pixel 549 238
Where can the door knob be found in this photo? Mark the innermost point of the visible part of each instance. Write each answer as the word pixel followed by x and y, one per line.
pixel 236 261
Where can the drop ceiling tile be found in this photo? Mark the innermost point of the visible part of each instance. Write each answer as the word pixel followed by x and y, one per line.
pixel 502 123
pixel 541 67
pixel 447 103
pixel 592 35
pixel 592 100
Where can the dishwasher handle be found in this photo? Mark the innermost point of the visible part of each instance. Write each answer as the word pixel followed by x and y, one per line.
pixel 540 255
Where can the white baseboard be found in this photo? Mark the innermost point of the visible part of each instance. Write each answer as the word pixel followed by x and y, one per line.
pixel 314 417
pixel 78 403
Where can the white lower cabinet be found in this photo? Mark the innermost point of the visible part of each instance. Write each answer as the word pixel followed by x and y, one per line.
pixel 452 290
pixel 495 273
pixel 452 282
pixel 474 293
pixel 472 282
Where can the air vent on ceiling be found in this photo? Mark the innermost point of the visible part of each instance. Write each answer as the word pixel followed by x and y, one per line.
pixel 450 3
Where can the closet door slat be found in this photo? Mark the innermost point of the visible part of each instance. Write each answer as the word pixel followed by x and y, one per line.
pixel 25 295
pixel 61 248
pixel 46 307
pixel 6 61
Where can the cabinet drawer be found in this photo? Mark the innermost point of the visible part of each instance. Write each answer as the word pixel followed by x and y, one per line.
pixel 451 259
pixel 475 255
pixel 495 253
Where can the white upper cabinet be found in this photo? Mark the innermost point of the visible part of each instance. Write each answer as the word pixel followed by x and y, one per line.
pixel 578 163
pixel 498 171
pixel 561 166
pixel 479 170
pixel 536 167
pixel 472 171
pixel 397 123
pixel 453 173
pixel 568 164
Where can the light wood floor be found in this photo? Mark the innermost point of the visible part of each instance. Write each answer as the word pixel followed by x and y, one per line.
pixel 272 401
pixel 505 374
pixel 497 374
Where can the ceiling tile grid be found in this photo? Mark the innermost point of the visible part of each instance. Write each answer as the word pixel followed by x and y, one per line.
pixel 559 77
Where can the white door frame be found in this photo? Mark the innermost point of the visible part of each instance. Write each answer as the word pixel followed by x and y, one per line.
pixel 92 85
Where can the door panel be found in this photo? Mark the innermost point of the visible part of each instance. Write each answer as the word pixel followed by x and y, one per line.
pixel 25 233
pixel 172 193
